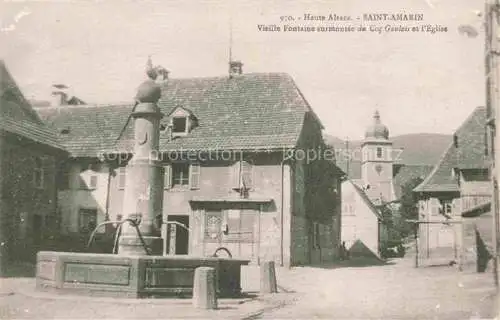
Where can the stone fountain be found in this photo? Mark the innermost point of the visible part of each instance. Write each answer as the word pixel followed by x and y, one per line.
pixel 138 269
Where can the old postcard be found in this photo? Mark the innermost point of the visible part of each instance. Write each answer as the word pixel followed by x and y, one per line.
pixel 249 159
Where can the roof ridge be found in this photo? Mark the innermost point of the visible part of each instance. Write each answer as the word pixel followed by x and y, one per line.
pixel 448 149
pixel 434 170
pixel 366 199
pixel 469 118
pixel 83 106
pixel 228 78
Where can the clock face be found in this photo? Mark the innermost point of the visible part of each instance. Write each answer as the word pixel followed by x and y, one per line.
pixel 378 168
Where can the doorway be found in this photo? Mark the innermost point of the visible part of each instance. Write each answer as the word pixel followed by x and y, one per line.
pixel 178 237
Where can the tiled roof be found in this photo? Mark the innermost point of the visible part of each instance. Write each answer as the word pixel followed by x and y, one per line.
pixel 18 117
pixel 251 111
pixel 90 129
pixel 467 151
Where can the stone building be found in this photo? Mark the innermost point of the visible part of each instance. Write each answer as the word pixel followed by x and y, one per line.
pixel 378 188
pixel 236 170
pixel 454 198
pixel 29 154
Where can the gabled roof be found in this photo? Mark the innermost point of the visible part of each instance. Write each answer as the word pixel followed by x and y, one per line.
pixel 18 117
pixel 247 112
pixel 365 199
pixel 466 152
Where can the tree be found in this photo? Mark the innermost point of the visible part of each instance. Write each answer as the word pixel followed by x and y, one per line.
pixel 408 209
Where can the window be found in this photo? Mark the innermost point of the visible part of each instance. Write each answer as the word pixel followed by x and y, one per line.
pixel 90 177
pixel 93 181
pixel 240 225
pixel 180 174
pixel 379 152
pixel 349 209
pixel 122 177
pixel 87 220
pixel 179 125
pixel 447 208
pixel 243 175
pixel 235 225
pixel 38 173
pixel 213 225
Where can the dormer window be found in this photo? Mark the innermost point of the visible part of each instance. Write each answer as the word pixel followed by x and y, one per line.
pixel 179 125
pixel 181 121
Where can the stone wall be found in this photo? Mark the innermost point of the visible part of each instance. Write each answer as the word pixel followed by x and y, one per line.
pixel 31 208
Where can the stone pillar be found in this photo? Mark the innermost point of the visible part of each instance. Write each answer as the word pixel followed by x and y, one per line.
pixel 268 278
pixel 204 288
pixel 144 187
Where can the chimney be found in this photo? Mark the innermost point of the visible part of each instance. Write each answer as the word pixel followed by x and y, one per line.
pixel 162 74
pixel 235 68
pixel 59 95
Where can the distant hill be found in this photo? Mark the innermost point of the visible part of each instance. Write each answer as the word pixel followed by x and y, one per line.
pixel 411 149
pixel 39 103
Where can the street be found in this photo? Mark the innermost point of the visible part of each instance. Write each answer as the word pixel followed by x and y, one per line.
pixel 393 291
pixel 350 290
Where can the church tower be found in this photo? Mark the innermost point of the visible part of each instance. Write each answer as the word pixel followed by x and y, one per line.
pixel 376 162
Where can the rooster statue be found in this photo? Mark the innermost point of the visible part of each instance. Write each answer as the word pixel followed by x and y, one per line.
pixel 149 91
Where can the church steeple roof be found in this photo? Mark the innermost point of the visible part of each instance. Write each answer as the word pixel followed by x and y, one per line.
pixel 377 130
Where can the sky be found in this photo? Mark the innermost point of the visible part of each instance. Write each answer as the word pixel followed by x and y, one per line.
pixel 420 82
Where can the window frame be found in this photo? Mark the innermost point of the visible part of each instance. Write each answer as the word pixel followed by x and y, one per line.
pixel 186 125
pixel 239 175
pixel 231 229
pixel 84 212
pixel 207 236
pixel 183 179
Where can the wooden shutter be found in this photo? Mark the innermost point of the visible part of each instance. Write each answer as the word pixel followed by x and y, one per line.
pixel 235 175
pixel 246 175
pixel 122 177
pixel 167 177
pixel 194 176
pixel 247 223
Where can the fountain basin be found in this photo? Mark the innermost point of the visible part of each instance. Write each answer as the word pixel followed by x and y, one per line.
pixel 132 276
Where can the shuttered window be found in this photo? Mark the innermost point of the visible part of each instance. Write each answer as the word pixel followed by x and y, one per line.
pixel 243 175
pixel 194 176
pixel 122 176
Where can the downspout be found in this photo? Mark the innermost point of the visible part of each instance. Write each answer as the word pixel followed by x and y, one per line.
pixel 108 190
pixel 282 256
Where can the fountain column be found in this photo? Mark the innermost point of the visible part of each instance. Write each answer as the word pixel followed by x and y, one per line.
pixel 143 198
